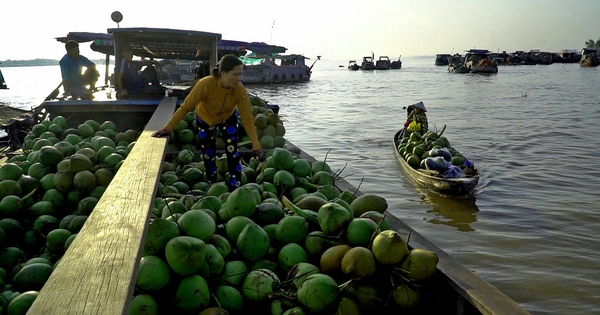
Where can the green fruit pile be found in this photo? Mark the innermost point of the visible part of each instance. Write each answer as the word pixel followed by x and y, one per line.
pixel 269 128
pixel 287 241
pixel 46 195
pixel 416 149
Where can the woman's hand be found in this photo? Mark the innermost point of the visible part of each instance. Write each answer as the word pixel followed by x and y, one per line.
pixel 259 154
pixel 161 133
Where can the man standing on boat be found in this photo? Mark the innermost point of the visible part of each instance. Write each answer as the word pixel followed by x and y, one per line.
pixel 71 64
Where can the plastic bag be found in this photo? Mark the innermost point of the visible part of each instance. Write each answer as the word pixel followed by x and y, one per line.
pixel 437 163
pixel 453 172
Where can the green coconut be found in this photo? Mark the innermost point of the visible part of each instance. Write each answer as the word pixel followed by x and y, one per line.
pixel 379 218
pixel 104 176
pixel 310 202
pixel 405 297
pixel 229 298
pixel 10 257
pixel 234 227
pixel 192 295
pixel 367 295
pixel 260 285
pixel 333 218
pixel 89 152
pixel 55 240
pixel 55 197
pixel 46 223
pixel 253 242
pixel 318 293
pixel 213 263
pixel 10 171
pixel 331 259
pixel 185 254
pixel 316 242
pixel 368 202
pixel 234 273
pixel 79 162
pixel 76 223
pixel 420 264
pixel 198 224
pixel 268 213
pixel 87 205
pixel 11 206
pixel 38 170
pixel 84 180
pixel 290 255
pixel 389 247
pixel 300 271
pixel 360 231
pixel 143 304
pixel 153 274
pixel 359 262
pixel 160 232
pixel 221 244
pixel 241 202
pixel 173 207
pixel 21 303
pixel 50 156
pixel 63 181
pixel 291 229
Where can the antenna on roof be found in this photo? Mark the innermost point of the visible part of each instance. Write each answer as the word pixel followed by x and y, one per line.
pixel 271 36
pixel 117 17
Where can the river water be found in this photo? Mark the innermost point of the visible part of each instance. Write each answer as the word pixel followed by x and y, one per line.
pixel 531 229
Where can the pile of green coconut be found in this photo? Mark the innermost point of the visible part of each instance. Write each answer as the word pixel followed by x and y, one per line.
pixel 46 195
pixel 269 129
pixel 287 241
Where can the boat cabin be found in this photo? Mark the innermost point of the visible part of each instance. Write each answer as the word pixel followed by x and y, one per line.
pixel 589 51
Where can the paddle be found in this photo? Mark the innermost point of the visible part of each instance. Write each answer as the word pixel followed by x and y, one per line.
pixel 54 93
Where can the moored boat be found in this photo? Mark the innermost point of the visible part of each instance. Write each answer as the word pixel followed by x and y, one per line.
pixel 461 180
pixel 456 64
pixel 3 85
pixel 442 59
pixel 479 61
pixel 352 65
pixel 589 57
pixel 383 63
pixel 277 68
pixel 396 64
pixel 367 63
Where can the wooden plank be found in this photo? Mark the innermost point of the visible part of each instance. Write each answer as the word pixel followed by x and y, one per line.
pixel 97 274
pixel 471 289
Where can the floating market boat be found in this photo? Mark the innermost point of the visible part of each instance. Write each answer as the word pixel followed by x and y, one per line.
pixel 3 85
pixel 352 65
pixel 367 63
pixel 589 57
pixel 442 59
pixel 383 63
pixel 434 179
pixel 479 61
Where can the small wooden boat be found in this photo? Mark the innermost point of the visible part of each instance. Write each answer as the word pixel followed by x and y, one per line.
pixel 461 186
pixel 352 65
pixel 442 59
pixel 456 64
pixel 479 61
pixel 589 57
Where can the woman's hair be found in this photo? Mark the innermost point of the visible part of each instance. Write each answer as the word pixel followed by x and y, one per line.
pixel 227 63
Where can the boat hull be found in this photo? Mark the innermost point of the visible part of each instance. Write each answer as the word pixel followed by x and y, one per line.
pixel 484 69
pixel 463 186
pixel 266 74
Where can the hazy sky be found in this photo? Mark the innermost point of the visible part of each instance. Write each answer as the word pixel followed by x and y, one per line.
pixel 336 30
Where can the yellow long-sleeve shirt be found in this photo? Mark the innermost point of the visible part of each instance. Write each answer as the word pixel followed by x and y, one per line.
pixel 214 104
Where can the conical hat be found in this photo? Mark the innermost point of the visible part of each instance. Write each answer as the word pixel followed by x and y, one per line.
pixel 420 105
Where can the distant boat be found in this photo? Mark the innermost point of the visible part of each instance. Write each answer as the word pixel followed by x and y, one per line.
pixel 367 63
pixel 479 61
pixel 589 57
pixel 383 63
pixel 352 65
pixel 396 64
pixel 442 59
pixel 2 82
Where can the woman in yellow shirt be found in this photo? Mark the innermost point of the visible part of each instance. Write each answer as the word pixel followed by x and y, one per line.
pixel 216 101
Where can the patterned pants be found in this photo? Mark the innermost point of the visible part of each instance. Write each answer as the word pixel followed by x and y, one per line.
pixel 229 132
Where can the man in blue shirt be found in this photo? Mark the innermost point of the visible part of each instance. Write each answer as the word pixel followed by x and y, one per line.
pixel 71 64
pixel 133 81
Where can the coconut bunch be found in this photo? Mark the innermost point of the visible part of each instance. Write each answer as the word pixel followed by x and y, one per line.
pixel 287 241
pixel 269 128
pixel 431 152
pixel 46 195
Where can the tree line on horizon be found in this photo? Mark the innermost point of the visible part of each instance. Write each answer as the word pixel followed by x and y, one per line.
pixel 592 44
pixel 37 62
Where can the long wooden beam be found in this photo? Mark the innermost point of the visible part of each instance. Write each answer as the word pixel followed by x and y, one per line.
pixel 98 272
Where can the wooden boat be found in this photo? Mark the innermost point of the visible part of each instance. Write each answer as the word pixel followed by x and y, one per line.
pixel 367 63
pixel 396 64
pixel 352 65
pixel 589 57
pixel 71 286
pixel 383 63
pixel 442 59
pixel 456 64
pixel 276 69
pixel 478 61
pixel 3 85
pixel 462 186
